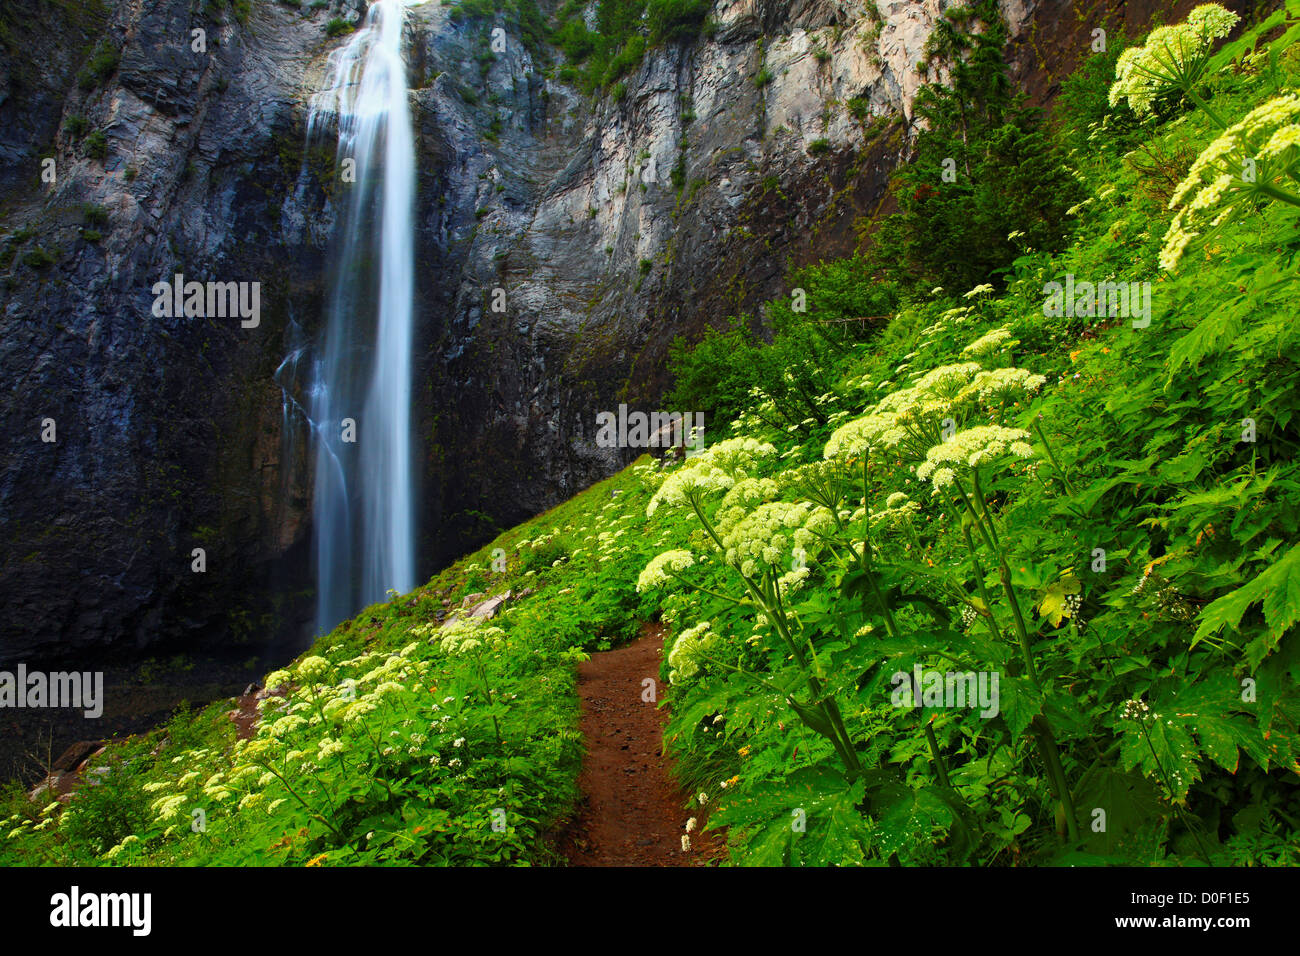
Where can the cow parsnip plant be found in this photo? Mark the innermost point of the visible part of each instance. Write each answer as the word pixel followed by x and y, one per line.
pixel 1113 565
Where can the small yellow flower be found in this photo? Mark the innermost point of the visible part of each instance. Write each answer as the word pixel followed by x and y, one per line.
pixel 316 860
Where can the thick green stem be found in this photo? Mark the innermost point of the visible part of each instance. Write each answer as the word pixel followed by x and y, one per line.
pixel 306 806
pixel 984 509
pixel 1204 107
pixel 1051 456
pixel 840 739
pixel 1281 195
pixel 830 710
pixel 1051 756
pixel 940 768
pixel 983 588
pixel 703 590
pixel 487 691
pixel 1004 576
pixel 1047 746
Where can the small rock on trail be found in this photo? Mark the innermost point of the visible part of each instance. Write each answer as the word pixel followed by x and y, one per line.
pixel 630 813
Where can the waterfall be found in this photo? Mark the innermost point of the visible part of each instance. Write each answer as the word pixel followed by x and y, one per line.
pixel 364 508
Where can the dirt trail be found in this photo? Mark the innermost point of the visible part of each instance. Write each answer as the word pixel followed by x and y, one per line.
pixel 630 813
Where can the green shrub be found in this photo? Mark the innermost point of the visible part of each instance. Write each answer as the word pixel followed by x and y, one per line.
pixel 38 258
pixel 1082 116
pixel 103 63
pixel 93 214
pixel 985 169
pixel 675 21
pixel 96 145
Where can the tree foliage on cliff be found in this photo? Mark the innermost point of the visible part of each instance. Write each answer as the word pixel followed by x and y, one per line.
pixel 984 169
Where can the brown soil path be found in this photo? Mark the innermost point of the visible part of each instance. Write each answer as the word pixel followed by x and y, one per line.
pixel 630 813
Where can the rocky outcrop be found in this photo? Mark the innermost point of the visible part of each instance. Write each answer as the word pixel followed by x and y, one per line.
pixel 609 225
pixel 165 430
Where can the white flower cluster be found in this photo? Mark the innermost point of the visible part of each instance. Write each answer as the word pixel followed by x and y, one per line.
pixel 898 508
pixel 995 341
pixel 914 412
pixel 687 653
pixel 715 469
pixel 1171 56
pixel 463 635
pixel 656 572
pixel 768 536
pixel 1001 385
pixel 910 418
pixel 311 669
pixel 1073 606
pixel 1267 137
pixel 970 449
pixel 743 497
pixel 1135 709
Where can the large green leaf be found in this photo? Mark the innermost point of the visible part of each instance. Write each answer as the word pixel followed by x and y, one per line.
pixel 1163 749
pixel 835 830
pixel 1278 588
pixel 1130 804
pixel 1211 335
pixel 1020 702
pixel 910 818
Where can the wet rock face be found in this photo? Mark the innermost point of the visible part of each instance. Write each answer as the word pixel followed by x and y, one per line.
pixel 166 430
pixel 610 226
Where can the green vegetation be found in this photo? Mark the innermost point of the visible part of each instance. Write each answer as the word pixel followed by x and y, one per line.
pixel 396 740
pixel 1092 509
pixel 1076 501
pixel 96 145
pixel 103 63
pixel 241 9
pixel 338 27
pixel 524 17
pixel 93 214
pixel 674 21
pixel 595 59
pixel 984 169
pixel 39 258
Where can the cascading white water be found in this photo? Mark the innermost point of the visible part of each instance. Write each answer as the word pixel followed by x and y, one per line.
pixel 364 498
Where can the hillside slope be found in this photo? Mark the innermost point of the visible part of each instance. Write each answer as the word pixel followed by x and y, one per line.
pixel 1096 506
